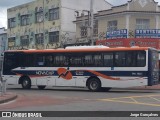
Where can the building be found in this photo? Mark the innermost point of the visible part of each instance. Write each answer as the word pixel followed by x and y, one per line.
pixel 3 41
pixel 138 19
pixel 46 24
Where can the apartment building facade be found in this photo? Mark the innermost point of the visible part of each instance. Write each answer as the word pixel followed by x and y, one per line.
pixel 138 19
pixel 46 24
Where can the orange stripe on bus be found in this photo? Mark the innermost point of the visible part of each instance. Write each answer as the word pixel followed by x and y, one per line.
pixel 102 75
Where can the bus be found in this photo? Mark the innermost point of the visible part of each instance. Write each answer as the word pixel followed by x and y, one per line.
pixel 94 67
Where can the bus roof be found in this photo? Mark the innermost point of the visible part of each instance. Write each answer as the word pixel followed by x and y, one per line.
pixel 81 50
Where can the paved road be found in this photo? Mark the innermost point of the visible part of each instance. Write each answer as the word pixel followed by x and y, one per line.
pixel 80 99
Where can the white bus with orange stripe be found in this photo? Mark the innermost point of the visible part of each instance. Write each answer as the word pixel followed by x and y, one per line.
pixel 92 67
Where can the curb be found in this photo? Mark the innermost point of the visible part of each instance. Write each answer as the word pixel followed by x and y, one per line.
pixel 8 99
pixel 140 88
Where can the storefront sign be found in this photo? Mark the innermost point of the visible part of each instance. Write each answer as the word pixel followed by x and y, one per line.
pixel 150 33
pixel 122 33
pixel 141 42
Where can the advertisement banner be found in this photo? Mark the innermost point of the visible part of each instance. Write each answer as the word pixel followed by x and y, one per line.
pixel 129 42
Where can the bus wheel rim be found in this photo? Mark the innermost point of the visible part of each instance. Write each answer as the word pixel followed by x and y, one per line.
pixel 94 85
pixel 25 82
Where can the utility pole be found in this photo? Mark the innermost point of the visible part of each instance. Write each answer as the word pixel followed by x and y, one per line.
pixel 91 22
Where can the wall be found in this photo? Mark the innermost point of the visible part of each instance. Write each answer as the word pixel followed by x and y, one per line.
pixel 3 46
pixel 148 5
pixel 3 40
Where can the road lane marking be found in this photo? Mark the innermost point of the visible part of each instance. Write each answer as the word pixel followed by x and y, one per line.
pixel 134 97
pixel 155 99
pixel 136 103
pixel 133 100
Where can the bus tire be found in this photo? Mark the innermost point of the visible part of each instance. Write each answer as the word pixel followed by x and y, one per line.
pixel 94 84
pixel 26 83
pixel 41 87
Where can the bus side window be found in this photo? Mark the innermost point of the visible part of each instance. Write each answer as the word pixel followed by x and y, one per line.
pixel 76 61
pixel 40 60
pixel 29 60
pixel 98 60
pixel 108 59
pixel 120 59
pixel 141 59
pixel 58 60
pixel 130 59
pixel 88 60
pixel 61 61
pixel 49 61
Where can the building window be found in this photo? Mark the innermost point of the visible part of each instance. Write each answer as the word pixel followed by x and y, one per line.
pixel 11 42
pixel 112 25
pixel 142 23
pixel 84 31
pixel 39 17
pixel 39 38
pixel 54 14
pixel 24 20
pixel 12 22
pixel 25 40
pixel 54 37
pixel 95 28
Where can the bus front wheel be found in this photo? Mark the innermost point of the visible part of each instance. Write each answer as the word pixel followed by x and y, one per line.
pixel 94 85
pixel 41 87
pixel 26 83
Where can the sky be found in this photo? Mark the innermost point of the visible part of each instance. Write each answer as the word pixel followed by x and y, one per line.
pixel 4 4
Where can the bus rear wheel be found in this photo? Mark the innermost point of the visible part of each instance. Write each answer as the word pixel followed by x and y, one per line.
pixel 94 85
pixel 41 87
pixel 26 83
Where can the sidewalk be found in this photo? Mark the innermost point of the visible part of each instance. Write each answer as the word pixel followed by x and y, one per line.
pixel 155 87
pixel 7 97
